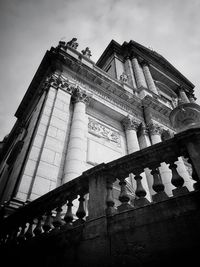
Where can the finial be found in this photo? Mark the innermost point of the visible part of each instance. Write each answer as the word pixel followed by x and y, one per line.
pixel 124 77
pixel 73 43
pixel 87 52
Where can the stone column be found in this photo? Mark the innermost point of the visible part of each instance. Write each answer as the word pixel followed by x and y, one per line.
pixel 182 95
pixel 192 98
pixel 131 125
pixel 76 151
pixel 166 175
pixel 149 79
pixel 129 71
pixel 138 72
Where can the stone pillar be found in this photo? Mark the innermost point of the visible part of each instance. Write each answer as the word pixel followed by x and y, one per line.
pixel 76 151
pixel 138 72
pixel 149 79
pixel 192 99
pixel 129 71
pixel 182 95
pixel 131 125
pixel 166 175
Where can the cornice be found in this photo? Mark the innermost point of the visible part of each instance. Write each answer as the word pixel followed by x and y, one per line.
pixel 96 82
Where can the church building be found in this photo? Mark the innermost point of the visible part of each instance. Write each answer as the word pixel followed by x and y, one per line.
pixel 77 114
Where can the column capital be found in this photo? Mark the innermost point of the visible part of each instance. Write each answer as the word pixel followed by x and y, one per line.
pixel 58 82
pixel 154 129
pixel 143 129
pixel 130 123
pixel 80 96
pixel 144 63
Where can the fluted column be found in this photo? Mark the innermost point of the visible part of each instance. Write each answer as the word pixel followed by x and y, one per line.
pixel 138 72
pixel 129 71
pixel 149 79
pixel 76 152
pixel 131 125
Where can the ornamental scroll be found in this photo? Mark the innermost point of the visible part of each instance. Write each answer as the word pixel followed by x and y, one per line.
pixel 103 131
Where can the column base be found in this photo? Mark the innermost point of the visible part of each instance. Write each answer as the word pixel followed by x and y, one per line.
pixel 180 191
pixel 124 206
pixel 161 196
pixel 140 202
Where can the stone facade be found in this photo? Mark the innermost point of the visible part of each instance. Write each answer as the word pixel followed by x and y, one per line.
pixel 77 114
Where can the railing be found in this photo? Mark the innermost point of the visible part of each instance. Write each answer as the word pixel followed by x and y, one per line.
pixel 46 213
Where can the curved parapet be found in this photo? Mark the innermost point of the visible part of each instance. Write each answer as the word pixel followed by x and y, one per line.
pixel 185 116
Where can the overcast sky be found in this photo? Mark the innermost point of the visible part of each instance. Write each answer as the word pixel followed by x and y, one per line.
pixel 30 27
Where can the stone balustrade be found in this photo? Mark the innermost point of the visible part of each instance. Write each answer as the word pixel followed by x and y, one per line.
pixel 55 211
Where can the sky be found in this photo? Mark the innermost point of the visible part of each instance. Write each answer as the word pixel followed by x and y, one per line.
pixel 30 27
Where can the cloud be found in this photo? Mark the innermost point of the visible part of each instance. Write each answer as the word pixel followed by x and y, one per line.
pixel 29 27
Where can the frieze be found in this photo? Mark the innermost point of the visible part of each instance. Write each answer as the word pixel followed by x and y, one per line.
pixel 103 131
pixel 118 102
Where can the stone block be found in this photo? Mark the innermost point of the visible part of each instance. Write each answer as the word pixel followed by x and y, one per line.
pixel 41 186
pixel 38 141
pixel 59 104
pixel 45 119
pixel 41 129
pixel 52 185
pixel 34 154
pixel 47 110
pixel 21 196
pixel 60 124
pixel 47 171
pixel 25 184
pixel 63 96
pixel 30 167
pixel 52 131
pixel 52 93
pixel 53 144
pixel 60 135
pixel 48 155
pixel 62 115
pixel 57 159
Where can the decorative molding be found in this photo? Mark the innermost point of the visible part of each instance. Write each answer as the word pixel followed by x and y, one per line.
pixel 58 82
pixel 73 44
pixel 103 131
pixel 80 95
pixel 86 52
pixel 133 108
pixel 131 123
pixel 154 129
pixel 124 77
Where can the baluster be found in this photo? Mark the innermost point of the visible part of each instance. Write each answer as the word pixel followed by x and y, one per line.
pixel 140 192
pixel 47 223
pixel 21 237
pixel 109 198
pixel 69 215
pixel 81 211
pixel 12 237
pixel 57 222
pixel 38 228
pixel 177 181
pixel 123 197
pixel 195 177
pixel 29 231
pixel 158 185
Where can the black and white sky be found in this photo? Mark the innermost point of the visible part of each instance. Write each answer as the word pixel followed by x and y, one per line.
pixel 30 27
